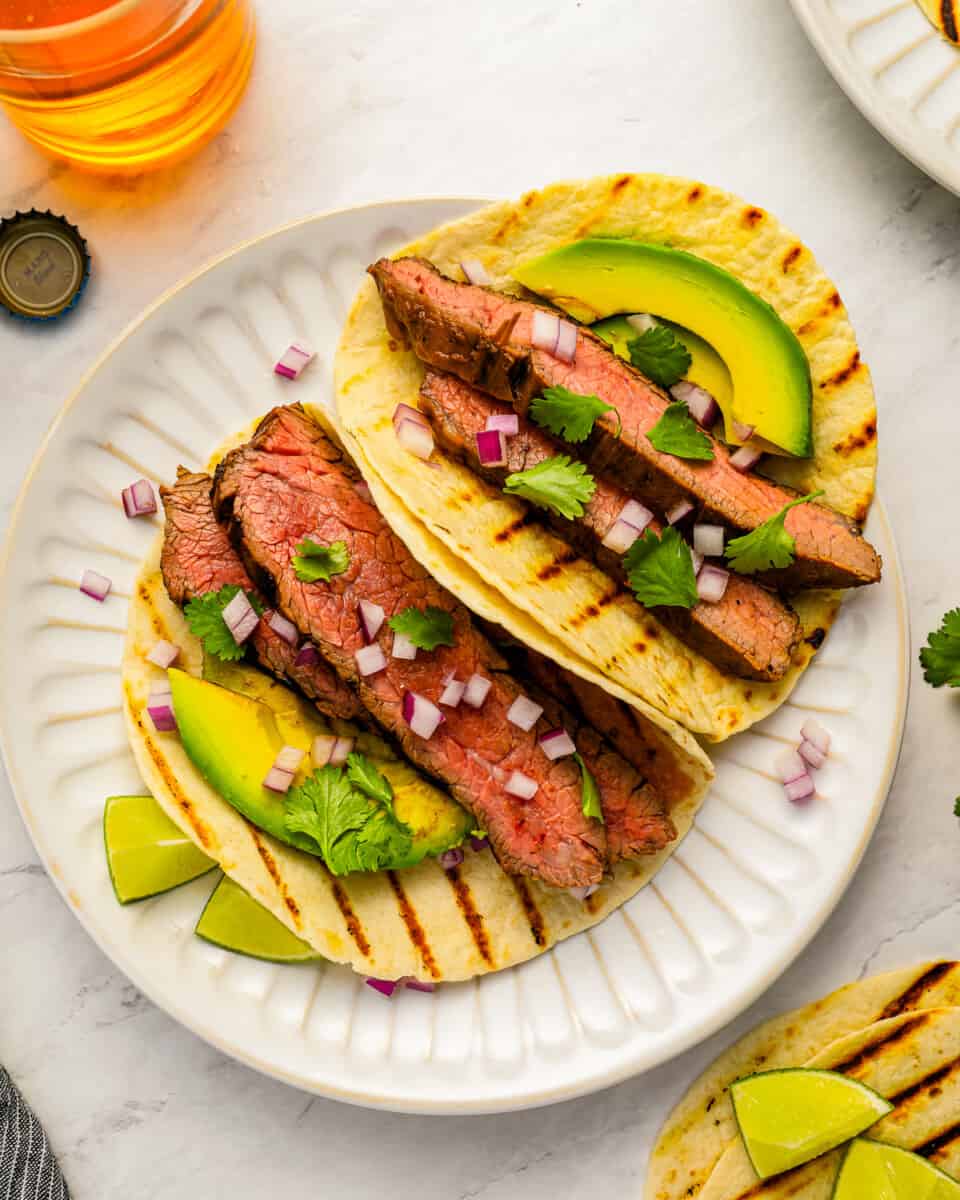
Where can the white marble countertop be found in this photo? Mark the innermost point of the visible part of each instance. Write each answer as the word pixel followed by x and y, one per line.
pixel 349 104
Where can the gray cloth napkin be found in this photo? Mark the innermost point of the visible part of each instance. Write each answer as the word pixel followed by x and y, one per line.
pixel 28 1170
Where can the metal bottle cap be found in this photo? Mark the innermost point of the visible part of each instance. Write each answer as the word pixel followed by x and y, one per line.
pixel 44 265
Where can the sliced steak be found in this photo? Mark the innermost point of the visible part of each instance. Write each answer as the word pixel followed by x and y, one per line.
pixel 291 482
pixel 484 338
pixel 197 558
pixel 751 632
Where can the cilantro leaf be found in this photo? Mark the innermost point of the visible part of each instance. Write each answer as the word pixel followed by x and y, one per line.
pixel 677 433
pixel 364 775
pixel 940 657
pixel 769 545
pixel 569 415
pixel 555 483
pixel 660 355
pixel 589 792
pixel 313 562
pixel 205 617
pixel 660 570
pixel 351 831
pixel 427 628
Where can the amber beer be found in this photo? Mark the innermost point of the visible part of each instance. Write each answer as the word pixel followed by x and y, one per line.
pixel 123 85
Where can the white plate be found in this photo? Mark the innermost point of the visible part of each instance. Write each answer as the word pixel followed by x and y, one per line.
pixel 681 959
pixel 898 70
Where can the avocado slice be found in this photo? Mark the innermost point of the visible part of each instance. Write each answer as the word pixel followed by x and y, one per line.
pixel 598 277
pixel 232 737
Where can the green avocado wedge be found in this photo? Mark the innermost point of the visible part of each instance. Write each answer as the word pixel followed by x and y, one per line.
pixel 235 921
pixel 597 278
pixel 882 1172
pixel 146 852
pixel 232 737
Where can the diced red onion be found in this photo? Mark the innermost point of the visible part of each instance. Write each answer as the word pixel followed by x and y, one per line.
pixel 521 786
pixel 491 448
pixel 405 412
pixel 276 780
pixel 452 693
pixel 546 330
pixel 475 272
pixel 289 759
pixel 815 733
pixel 139 499
pixel 95 585
pixel 712 583
pixel 283 628
pixel 557 744
pixel 362 488
pixel 371 618
pixel 386 987
pixel 799 790
pixel 746 458
pixel 164 654
pixel 322 749
pixel 416 439
pixel 697 559
pixel 160 708
pixel 582 893
pixel 451 858
pixel 790 766
pixel 307 656
pixel 403 647
pixel 566 349
pixel 506 423
pixel 476 691
pixel 680 510
pixel 240 617
pixel 294 359
pixel 620 536
pixel 708 540
pixel 641 322
pixel 811 755
pixel 478 843
pixel 524 713
pixel 421 714
pixel 370 659
pixel 415 985
pixel 342 749
pixel 636 514
pixel 742 432
pixel 703 408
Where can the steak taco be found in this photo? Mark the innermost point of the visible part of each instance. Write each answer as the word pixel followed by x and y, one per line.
pixel 636 409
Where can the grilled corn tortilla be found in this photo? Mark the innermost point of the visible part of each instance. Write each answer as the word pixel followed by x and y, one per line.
pixel 420 922
pixel 702 1126
pixel 628 646
pixel 943 15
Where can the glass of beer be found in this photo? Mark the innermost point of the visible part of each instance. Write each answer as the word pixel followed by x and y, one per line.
pixel 123 85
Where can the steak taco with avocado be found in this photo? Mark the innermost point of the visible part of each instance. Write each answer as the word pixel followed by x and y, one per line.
pixel 409 788
pixel 635 408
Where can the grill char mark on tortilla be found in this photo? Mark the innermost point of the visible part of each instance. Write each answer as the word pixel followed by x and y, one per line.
pixel 538 928
pixel 408 915
pixel 949 17
pixel 915 992
pixel 471 914
pixel 751 632
pixel 289 482
pixel 871 1051
pixel 450 326
pixel 350 918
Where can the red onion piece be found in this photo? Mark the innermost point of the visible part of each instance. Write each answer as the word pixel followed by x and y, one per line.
pixel 524 713
pixel 476 691
pixel 813 732
pixel 546 330
pixel 582 893
pixel 307 656
pixel 566 349
pixel 641 322
pixel 790 766
pixel 742 432
pixel 708 540
pixel 164 654
pixel 636 514
pixel 799 790
pixel 491 448
pixel 362 488
pixel 342 749
pixel 415 439
pixel 746 458
pixel 479 843
pixel 703 408
pixel 404 412
pixel 421 714
pixel 620 536
pixel 506 423
pixel 415 985
pixel 451 858
pixel 370 659
pixel 557 744
pixel 160 708
pixel 403 647
pixel 475 272
pixel 322 749
pixel 240 617
pixel 452 693
pixel 289 759
pixel 521 786
pixel 386 987
pixel 371 618
pixel 277 780
pixel 811 755
pixel 294 360
pixel 697 559
pixel 95 585
pixel 680 510
pixel 283 628
pixel 139 499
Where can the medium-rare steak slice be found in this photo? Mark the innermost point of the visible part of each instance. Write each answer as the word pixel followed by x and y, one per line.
pixel 750 632
pixel 197 558
pixel 485 338
pixel 291 482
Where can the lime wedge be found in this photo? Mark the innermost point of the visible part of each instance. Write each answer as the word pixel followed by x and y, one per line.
pixel 888 1173
pixel 235 921
pixel 146 852
pixel 789 1117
